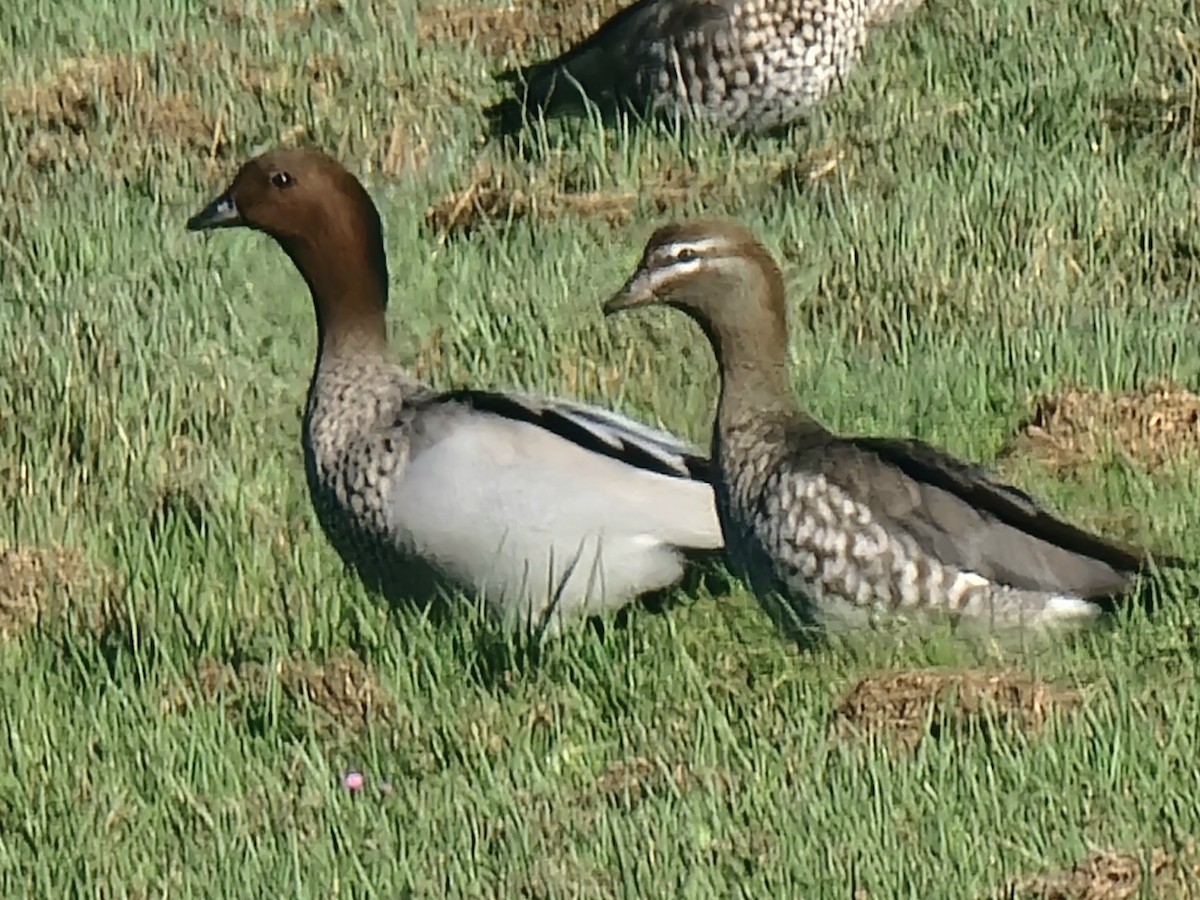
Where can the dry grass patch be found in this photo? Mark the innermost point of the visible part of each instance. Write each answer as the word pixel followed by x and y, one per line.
pixel 1113 875
pixel 1070 430
pixel 1162 113
pixel 110 110
pixel 626 784
pixel 908 707
pixel 1171 108
pixel 342 688
pixel 632 782
pixel 59 114
pixel 299 16
pixel 401 151
pixel 37 583
pixel 518 28
pixel 492 199
pixel 815 167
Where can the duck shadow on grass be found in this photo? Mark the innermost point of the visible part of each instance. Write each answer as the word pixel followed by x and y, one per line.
pixel 490 653
pixel 493 654
pixel 497 655
pixel 1150 595
pixel 420 589
pixel 526 136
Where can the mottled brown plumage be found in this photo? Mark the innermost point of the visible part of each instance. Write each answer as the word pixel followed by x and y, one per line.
pixel 738 65
pixel 854 530
pixel 553 510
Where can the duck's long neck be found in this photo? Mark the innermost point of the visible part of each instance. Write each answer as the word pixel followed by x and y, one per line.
pixel 744 316
pixel 754 382
pixel 757 412
pixel 350 332
pixel 345 268
pixel 742 313
pixel 749 391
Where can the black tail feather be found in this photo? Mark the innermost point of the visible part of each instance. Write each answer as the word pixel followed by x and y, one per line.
pixel 506 117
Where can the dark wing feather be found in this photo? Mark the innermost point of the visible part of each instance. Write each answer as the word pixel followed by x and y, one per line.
pixel 963 515
pixel 979 487
pixel 592 428
pixel 602 65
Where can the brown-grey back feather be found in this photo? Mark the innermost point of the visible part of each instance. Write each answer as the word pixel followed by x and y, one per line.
pixel 959 513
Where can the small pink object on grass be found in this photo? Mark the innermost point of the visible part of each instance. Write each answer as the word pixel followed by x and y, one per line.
pixel 354 781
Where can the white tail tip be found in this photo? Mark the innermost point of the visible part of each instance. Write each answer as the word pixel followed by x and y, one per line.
pixel 1064 609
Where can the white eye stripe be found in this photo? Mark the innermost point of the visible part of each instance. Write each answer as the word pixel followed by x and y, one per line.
pixel 698 246
pixel 666 275
pixel 675 270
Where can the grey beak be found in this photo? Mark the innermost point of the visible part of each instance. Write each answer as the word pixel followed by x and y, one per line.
pixel 635 292
pixel 221 213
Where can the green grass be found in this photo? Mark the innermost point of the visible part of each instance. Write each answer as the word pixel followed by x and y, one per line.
pixel 1013 212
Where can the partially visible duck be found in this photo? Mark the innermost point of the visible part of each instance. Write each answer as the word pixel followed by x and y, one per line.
pixel 551 509
pixel 854 531
pixel 738 65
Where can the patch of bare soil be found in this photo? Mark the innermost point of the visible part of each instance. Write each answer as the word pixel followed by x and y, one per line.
pixel 299 16
pixel 909 707
pixel 517 29
pixel 1069 430
pixel 1114 875
pixel 342 688
pixel 1169 110
pixel 109 111
pixel 1162 113
pixel 59 114
pixel 402 150
pixel 38 582
pixel 815 167
pixel 491 199
pixel 631 782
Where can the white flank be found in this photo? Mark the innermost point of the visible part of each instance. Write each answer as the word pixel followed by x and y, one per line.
pixel 1064 607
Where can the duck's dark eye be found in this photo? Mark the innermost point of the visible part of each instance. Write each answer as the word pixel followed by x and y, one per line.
pixel 282 180
pixel 671 255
